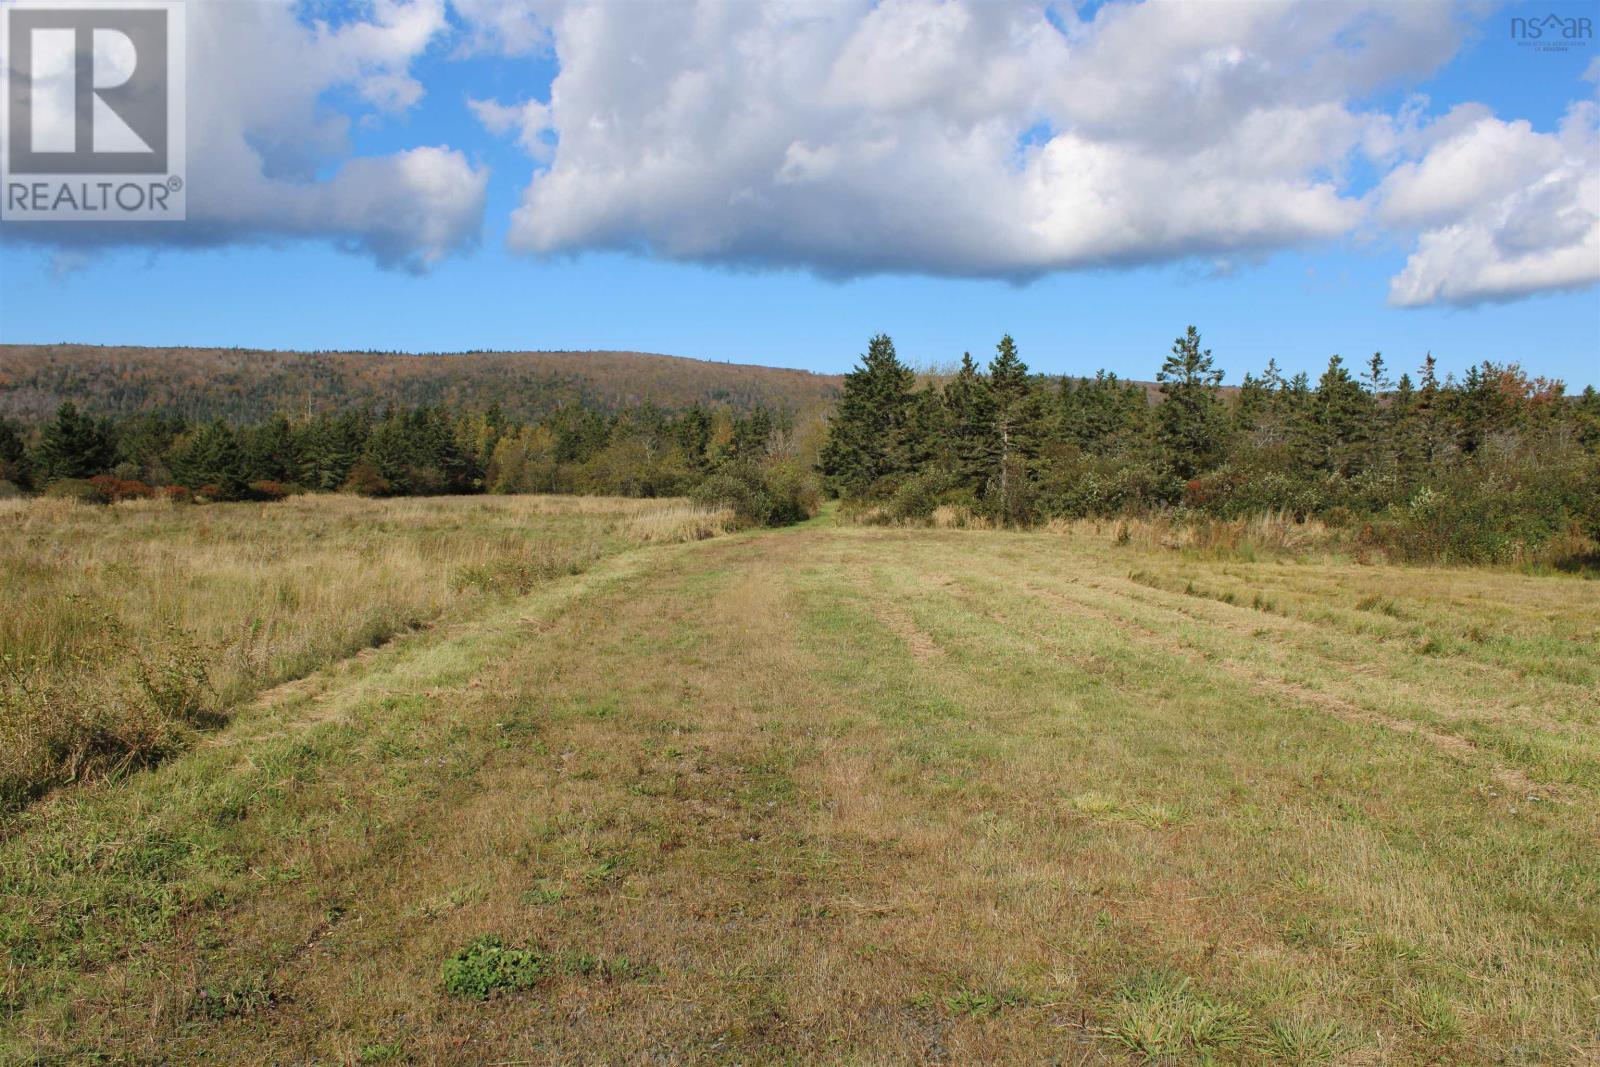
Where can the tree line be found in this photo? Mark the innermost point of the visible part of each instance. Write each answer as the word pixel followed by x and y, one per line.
pixel 1479 467
pixel 1482 467
pixel 749 460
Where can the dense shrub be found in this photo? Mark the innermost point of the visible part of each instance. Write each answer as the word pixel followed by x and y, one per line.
pixel 1090 486
pixel 1507 515
pixel 270 490
pixel 917 496
pixel 115 489
pixel 366 480
pixel 778 495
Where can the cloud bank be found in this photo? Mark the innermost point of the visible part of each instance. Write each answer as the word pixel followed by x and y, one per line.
pixel 992 139
pixel 964 138
pixel 268 160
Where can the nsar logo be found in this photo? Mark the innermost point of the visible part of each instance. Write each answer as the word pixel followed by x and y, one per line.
pixel 1553 33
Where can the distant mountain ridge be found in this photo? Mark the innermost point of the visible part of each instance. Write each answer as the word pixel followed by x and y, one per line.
pixel 248 384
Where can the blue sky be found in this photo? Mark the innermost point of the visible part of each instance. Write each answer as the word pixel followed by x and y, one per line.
pixel 767 289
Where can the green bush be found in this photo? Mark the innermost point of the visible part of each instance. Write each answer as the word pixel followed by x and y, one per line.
pixel 778 495
pixel 1092 486
pixel 917 496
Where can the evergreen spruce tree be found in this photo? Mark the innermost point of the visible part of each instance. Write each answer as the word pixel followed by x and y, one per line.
pixel 1069 412
pixel 1340 417
pixel 867 436
pixel 1108 413
pixel 74 445
pixel 1017 434
pixel 269 453
pixel 1190 421
pixel 1251 407
pixel 14 465
pixel 1432 414
pixel 1405 430
pixel 1375 376
pixel 211 459
pixel 389 455
pixel 751 434
pixel 693 434
pixel 929 445
pixel 1586 415
pixel 1272 423
pixel 144 443
pixel 1378 451
pixel 327 448
pixel 970 405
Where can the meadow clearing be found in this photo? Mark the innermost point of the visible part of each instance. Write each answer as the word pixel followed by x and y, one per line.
pixel 825 794
pixel 130 624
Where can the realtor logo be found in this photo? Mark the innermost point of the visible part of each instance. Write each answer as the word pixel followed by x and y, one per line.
pixel 94 118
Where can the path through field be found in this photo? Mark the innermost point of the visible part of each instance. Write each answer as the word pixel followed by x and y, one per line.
pixel 841 795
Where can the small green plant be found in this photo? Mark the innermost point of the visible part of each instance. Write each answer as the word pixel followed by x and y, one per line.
pixel 381 1052
pixel 545 892
pixel 979 1003
pixel 1305 1042
pixel 1432 1013
pixel 238 999
pixel 1159 1016
pixel 486 967
pixel 1150 816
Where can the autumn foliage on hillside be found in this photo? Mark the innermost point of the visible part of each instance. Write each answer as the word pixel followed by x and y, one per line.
pixel 246 385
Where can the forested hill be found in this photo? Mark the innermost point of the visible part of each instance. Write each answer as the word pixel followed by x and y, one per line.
pixel 245 384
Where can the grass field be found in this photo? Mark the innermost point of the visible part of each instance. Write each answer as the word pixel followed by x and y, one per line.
pixel 130 624
pixel 852 795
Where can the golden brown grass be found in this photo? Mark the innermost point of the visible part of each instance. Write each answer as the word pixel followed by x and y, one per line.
pixel 680 522
pixel 131 624
pixel 869 796
pixel 1267 535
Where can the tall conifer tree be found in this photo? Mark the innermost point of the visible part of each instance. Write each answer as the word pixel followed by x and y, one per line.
pixel 867 437
pixel 1190 420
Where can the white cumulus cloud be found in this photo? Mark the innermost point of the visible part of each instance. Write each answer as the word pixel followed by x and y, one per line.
pixel 959 137
pixel 1010 138
pixel 269 160
pixel 1503 211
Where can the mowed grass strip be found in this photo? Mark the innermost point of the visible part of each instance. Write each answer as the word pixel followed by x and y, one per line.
pixel 1397 840
pixel 833 795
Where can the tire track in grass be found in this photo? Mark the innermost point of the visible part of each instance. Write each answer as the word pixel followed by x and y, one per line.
pixel 1305 638
pixel 1395 639
pixel 1452 745
pixel 899 622
pixel 1347 654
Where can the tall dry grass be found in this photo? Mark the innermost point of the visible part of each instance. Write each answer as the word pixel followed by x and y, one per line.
pixel 1266 535
pixel 678 522
pixel 131 625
